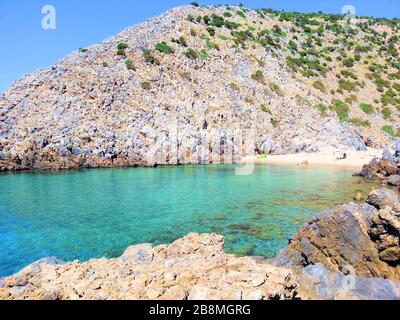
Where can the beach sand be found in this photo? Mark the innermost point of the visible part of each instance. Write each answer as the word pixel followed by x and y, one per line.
pixel 326 157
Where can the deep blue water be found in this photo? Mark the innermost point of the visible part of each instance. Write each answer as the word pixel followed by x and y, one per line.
pixel 96 213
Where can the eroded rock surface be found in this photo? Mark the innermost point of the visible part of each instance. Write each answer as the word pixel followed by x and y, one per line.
pixel 386 169
pixel 363 239
pixel 194 267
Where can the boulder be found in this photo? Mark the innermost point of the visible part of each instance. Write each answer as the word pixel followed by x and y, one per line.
pixel 382 198
pixel 351 237
pixel 394 180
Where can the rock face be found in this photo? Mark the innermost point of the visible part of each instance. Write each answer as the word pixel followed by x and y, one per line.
pixel 386 169
pixel 359 239
pixel 195 102
pixel 194 267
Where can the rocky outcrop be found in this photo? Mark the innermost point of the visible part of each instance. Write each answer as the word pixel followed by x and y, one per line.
pixel 194 267
pixel 386 169
pixel 360 239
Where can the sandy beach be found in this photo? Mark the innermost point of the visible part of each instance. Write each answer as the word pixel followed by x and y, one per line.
pixel 327 157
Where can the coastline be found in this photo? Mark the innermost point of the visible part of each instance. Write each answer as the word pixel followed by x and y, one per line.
pixel 326 157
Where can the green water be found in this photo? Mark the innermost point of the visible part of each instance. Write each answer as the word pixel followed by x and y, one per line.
pixel 87 214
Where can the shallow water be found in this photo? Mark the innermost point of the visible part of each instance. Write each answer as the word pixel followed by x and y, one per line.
pixel 96 213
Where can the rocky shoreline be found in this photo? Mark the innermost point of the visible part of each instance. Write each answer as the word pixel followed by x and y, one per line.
pixel 350 252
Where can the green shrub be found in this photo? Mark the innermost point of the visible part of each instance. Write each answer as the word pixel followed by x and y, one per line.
pixel 274 122
pixel 367 108
pixel 348 62
pixel 398 132
pixel 234 86
pixel 195 4
pixel 211 45
pixel 265 109
pixel 348 85
pixel 292 45
pixel 322 108
pixel 351 99
pixel 122 46
pixel 258 76
pixel 129 64
pixel 146 85
pixel 149 58
pixel 389 130
pixel 275 88
pixel 217 21
pixel 211 31
pixel 389 97
pixel 203 55
pixel 386 113
pixel 241 14
pixel 191 54
pixel 342 110
pixel 83 50
pixel 121 52
pixel 360 122
pixel 319 85
pixel 164 48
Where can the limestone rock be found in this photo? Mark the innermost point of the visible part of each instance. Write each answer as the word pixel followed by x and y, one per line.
pixel 394 180
pixel 351 236
pixel 382 198
pixel 194 267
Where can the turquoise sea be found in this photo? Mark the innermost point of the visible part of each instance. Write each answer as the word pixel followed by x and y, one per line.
pixel 98 213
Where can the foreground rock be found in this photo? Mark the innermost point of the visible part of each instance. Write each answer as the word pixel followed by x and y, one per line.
pixel 352 239
pixel 194 267
pixel 318 283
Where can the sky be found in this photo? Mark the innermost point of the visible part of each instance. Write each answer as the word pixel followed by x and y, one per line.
pixel 26 47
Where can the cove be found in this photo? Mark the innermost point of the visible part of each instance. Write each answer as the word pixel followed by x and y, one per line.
pixel 98 213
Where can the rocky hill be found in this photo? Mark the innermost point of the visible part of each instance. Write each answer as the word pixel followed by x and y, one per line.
pixel 188 87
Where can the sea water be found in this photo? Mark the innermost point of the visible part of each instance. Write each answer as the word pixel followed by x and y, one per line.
pixel 98 213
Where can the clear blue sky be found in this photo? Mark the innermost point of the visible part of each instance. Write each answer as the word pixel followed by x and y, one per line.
pixel 26 47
